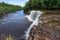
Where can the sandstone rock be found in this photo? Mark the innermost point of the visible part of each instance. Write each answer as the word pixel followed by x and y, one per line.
pixel 50 27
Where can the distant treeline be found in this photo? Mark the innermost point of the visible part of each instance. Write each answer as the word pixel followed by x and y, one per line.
pixel 8 8
pixel 42 5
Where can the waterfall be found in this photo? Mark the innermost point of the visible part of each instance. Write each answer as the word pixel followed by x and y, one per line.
pixel 34 18
pixel 34 15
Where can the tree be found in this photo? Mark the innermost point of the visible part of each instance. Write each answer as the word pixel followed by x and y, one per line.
pixel 42 5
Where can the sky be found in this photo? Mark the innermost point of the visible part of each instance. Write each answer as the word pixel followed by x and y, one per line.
pixel 15 2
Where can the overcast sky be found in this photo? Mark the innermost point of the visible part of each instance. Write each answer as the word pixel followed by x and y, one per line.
pixel 15 2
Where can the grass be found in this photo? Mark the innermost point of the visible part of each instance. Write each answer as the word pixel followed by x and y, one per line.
pixel 10 38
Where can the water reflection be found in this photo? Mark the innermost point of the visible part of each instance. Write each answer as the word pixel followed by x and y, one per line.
pixel 13 16
pixel 14 24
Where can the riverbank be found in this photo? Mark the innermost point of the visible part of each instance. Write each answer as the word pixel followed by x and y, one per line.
pixel 8 8
pixel 48 27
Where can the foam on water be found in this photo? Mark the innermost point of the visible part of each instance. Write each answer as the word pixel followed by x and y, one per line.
pixel 34 18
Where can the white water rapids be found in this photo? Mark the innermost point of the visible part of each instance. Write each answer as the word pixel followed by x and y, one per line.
pixel 34 18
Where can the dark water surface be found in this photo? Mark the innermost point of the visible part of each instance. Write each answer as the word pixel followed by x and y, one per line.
pixel 14 24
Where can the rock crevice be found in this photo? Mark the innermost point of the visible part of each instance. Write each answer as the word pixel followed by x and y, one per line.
pixel 48 28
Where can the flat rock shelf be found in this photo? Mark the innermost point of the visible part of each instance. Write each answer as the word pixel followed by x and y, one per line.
pixel 48 28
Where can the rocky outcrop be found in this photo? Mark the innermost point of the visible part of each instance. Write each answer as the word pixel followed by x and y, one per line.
pixel 48 28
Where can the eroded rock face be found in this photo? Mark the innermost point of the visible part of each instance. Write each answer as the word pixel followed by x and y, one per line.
pixel 48 28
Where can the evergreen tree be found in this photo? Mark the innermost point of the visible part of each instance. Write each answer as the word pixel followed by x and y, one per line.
pixel 42 5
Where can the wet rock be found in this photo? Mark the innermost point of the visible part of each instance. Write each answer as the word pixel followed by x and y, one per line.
pixel 48 28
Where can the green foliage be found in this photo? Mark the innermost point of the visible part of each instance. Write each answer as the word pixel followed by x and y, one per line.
pixel 8 8
pixel 10 38
pixel 42 5
pixel 39 31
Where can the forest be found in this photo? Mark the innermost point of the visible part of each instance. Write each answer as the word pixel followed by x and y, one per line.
pixel 42 5
pixel 6 8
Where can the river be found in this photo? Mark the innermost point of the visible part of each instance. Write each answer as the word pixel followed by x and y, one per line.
pixel 14 24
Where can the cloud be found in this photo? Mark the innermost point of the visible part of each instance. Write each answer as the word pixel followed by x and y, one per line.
pixel 27 0
pixel 15 2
